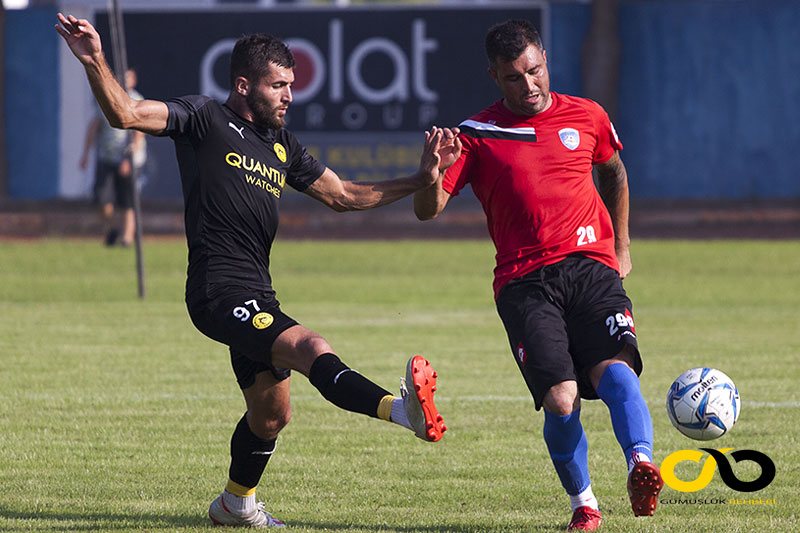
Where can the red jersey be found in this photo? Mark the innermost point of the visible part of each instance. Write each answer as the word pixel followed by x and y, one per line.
pixel 533 177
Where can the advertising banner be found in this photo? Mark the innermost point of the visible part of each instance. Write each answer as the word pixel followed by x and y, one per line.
pixel 368 82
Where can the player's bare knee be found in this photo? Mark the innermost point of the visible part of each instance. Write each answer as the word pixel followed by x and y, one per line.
pixel 308 349
pixel 313 346
pixel 266 426
pixel 562 399
pixel 297 348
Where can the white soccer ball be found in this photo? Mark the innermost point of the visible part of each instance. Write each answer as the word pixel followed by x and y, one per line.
pixel 703 403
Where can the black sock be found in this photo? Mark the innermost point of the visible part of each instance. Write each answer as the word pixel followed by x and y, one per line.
pixel 345 387
pixel 249 455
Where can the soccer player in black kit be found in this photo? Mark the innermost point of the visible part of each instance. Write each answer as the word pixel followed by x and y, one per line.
pixel 235 160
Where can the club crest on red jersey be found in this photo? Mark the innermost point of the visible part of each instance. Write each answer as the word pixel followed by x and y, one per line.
pixel 569 137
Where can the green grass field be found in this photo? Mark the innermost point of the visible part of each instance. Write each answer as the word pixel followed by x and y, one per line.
pixel 116 415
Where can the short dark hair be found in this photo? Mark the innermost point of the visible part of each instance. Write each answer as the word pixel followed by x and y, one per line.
pixel 252 55
pixel 507 40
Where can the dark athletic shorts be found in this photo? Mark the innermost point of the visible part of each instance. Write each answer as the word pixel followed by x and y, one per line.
pixel 565 318
pixel 111 188
pixel 248 322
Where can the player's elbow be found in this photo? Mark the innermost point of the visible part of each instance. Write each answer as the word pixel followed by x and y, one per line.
pixel 425 214
pixel 121 121
pixel 116 121
pixel 339 207
pixel 126 116
pixel 426 210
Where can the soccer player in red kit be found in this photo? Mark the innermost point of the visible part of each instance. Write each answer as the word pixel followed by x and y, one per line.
pixel 562 251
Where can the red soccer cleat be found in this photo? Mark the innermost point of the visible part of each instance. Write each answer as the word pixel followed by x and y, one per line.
pixel 428 424
pixel 644 484
pixel 585 519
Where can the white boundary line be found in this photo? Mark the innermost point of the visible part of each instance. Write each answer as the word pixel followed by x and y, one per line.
pixel 306 397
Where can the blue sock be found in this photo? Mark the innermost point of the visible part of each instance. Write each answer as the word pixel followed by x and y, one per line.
pixel 568 449
pixel 633 427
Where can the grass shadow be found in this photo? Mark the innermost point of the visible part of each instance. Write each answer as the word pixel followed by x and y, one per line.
pixel 79 521
pixel 83 521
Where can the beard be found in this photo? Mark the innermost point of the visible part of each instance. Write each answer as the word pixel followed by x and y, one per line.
pixel 263 115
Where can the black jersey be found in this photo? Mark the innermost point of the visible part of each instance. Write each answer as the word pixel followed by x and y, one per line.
pixel 233 173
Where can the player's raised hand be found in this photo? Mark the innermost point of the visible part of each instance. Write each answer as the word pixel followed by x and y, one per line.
pixel 430 160
pixel 81 37
pixel 449 148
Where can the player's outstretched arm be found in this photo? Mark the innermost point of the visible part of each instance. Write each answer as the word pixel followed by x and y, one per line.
pixel 613 187
pixel 342 195
pixel 149 116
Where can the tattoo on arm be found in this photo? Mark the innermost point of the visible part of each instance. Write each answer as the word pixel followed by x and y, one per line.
pixel 611 180
pixel 613 188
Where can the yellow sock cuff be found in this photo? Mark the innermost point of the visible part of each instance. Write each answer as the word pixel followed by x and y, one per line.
pixel 239 490
pixel 385 408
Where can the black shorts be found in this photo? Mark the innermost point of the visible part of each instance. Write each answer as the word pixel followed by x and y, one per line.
pixel 248 322
pixel 565 318
pixel 112 188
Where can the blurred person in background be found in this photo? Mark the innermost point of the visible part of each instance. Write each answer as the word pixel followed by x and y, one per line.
pixel 562 251
pixel 119 158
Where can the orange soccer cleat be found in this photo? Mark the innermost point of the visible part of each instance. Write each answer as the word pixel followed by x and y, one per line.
pixel 425 419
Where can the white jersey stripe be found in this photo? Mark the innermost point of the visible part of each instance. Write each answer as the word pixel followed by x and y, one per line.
pixel 482 126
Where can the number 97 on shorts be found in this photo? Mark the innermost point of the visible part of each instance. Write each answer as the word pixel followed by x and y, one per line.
pixel 261 319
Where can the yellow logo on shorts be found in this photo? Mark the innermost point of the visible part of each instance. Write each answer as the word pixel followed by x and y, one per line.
pixel 262 320
pixel 280 151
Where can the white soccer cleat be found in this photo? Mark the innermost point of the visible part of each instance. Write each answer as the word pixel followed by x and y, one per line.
pixel 220 515
pixel 422 414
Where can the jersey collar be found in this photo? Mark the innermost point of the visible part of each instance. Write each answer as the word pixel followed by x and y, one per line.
pixel 262 131
pixel 501 109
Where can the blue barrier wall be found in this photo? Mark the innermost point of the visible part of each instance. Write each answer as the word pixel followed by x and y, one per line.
pixel 710 98
pixel 569 23
pixel 32 103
